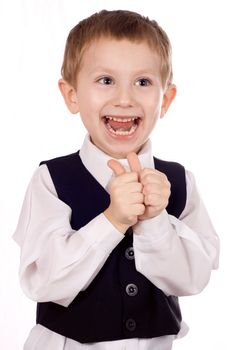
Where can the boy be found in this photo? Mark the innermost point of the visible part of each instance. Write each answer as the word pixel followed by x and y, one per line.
pixel 109 244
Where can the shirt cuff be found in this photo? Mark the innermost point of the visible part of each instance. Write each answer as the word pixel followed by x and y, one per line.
pixel 153 229
pixel 102 233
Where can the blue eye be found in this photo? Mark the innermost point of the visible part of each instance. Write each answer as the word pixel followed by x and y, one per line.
pixel 143 82
pixel 105 81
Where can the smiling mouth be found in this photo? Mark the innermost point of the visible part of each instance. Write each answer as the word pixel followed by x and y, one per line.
pixel 121 126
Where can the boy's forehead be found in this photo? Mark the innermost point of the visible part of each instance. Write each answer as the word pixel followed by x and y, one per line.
pixel 110 52
pixel 111 42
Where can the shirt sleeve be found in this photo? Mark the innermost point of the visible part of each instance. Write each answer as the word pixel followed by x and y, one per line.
pixel 177 255
pixel 57 262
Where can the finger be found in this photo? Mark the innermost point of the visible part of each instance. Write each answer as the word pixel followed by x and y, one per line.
pixel 147 171
pixel 139 209
pixel 153 176
pixel 151 188
pixel 152 200
pixel 150 212
pixel 134 162
pixel 156 201
pixel 117 168
pixel 136 198
pixel 133 187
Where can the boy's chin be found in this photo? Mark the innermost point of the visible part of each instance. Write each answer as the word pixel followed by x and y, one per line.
pixel 123 152
pixel 117 150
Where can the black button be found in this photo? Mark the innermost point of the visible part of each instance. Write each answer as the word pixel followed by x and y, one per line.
pixel 131 324
pixel 131 290
pixel 129 253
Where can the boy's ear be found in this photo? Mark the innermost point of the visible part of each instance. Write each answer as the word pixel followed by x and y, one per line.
pixel 69 95
pixel 168 97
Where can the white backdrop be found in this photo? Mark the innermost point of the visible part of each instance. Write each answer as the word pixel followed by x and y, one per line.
pixel 198 131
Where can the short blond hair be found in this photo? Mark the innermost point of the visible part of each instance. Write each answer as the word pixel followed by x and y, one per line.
pixel 118 24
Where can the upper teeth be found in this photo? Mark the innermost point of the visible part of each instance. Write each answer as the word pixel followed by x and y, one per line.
pixel 122 120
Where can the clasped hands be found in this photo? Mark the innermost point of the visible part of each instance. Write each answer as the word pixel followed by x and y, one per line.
pixel 137 195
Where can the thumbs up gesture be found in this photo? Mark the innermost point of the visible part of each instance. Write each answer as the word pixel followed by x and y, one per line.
pixel 137 195
pixel 126 197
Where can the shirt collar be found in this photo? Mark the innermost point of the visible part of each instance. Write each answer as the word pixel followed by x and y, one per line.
pixel 95 160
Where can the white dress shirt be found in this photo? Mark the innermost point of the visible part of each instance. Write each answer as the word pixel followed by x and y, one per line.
pixel 177 255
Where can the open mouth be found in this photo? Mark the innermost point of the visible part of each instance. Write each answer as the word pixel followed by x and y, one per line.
pixel 121 126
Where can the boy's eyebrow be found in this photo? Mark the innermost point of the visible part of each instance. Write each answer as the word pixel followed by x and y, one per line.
pixel 112 71
pixel 99 69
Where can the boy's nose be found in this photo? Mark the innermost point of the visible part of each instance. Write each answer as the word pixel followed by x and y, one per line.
pixel 124 97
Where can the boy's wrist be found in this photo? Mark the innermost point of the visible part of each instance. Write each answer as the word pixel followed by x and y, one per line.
pixel 118 225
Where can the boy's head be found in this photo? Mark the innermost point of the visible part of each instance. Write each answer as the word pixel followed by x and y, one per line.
pixel 117 73
pixel 119 24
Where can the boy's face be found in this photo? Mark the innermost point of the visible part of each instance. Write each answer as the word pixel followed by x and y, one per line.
pixel 119 94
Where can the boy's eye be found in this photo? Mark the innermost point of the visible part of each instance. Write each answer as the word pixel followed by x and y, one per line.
pixel 143 82
pixel 105 80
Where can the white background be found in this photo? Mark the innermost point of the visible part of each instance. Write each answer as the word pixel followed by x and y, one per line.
pixel 198 131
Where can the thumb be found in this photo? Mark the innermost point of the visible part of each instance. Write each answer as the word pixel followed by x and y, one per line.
pixel 117 168
pixel 134 162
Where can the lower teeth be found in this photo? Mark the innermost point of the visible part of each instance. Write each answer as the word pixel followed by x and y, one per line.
pixel 122 132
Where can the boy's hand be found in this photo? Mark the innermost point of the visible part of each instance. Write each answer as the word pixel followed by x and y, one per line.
pixel 156 190
pixel 126 197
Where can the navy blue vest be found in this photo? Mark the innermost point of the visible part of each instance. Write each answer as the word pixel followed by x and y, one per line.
pixel 120 302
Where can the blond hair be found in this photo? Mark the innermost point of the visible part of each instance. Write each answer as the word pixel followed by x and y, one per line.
pixel 118 24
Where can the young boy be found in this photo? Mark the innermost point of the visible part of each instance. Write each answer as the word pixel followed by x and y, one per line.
pixel 109 235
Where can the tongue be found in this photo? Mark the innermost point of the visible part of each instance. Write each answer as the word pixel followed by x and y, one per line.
pixel 123 126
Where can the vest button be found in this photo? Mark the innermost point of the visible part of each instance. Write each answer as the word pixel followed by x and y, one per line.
pixel 131 290
pixel 129 253
pixel 130 325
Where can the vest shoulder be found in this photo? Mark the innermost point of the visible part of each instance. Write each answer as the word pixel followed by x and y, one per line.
pixel 62 159
pixel 175 173
pixel 166 165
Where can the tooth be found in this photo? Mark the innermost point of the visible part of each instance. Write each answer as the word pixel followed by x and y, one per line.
pixel 124 133
pixel 123 120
